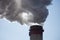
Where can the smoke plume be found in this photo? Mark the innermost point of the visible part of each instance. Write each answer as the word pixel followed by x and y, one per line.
pixel 24 11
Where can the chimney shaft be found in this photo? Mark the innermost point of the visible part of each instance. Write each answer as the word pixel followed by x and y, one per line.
pixel 36 32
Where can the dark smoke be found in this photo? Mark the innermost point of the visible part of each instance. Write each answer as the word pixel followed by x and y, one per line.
pixel 12 9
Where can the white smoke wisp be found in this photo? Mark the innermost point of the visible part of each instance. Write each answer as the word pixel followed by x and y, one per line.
pixel 25 11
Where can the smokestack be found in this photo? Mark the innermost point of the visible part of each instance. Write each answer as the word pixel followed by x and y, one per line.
pixel 36 32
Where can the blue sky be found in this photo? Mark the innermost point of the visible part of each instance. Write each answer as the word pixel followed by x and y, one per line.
pixel 15 31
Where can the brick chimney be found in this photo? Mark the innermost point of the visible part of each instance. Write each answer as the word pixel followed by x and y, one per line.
pixel 36 32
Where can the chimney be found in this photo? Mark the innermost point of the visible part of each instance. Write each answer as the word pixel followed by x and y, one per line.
pixel 36 32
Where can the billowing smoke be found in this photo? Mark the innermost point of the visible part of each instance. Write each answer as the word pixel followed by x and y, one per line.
pixel 25 11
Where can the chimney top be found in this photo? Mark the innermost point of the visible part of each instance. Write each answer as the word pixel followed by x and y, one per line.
pixel 36 29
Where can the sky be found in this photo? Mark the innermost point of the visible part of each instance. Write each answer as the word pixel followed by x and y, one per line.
pixel 16 31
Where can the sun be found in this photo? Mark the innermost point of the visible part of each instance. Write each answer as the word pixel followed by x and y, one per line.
pixel 25 16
